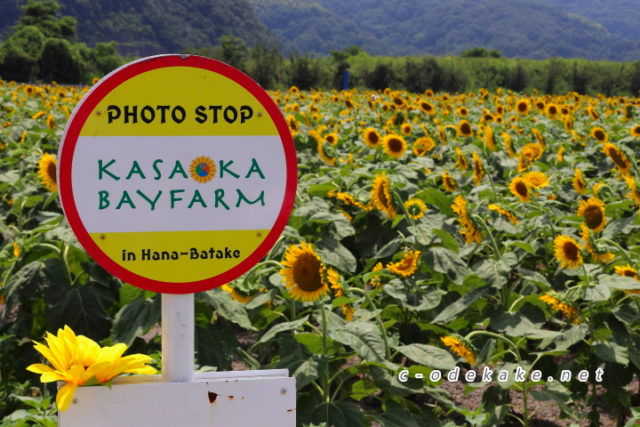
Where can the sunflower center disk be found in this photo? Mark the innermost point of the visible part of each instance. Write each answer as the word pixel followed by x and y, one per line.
pixel 306 272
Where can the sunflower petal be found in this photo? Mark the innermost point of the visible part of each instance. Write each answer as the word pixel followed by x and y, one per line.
pixel 65 396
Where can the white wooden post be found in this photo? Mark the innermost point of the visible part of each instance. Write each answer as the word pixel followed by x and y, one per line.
pixel 178 344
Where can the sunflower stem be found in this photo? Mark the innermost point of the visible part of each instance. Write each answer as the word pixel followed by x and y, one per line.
pixel 325 365
pixel 364 293
pixel 496 249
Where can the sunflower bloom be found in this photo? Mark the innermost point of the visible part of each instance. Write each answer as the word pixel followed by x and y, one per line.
pixel 448 182
pixel 331 161
pixel 569 311
pixel 47 172
pixel 371 137
pixel 51 121
pixel 394 145
pixel 599 134
pixel 510 216
pixel 506 140
pixel 464 129
pixel 423 145
pixel 333 279
pixel 381 195
pixel 520 188
pixel 462 160
pixel 489 138
pixel 304 273
pixel 633 187
pixel 578 182
pixel 459 348
pixel 469 231
pixel 478 169
pixel 237 296
pixel 618 157
pixel 415 208
pixel 635 131
pixel 348 312
pixel 407 265
pixel 597 255
pixel 536 179
pixel 78 360
pixel 592 211
pixel 532 151
pixel 523 106
pixel 567 251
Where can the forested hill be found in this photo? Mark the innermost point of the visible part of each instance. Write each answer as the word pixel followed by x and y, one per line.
pixel 518 28
pixel 592 29
pixel 143 27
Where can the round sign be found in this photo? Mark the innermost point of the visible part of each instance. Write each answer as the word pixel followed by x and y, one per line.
pixel 177 173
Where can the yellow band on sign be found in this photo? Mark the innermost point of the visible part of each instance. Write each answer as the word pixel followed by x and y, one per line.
pixel 179 256
pixel 203 103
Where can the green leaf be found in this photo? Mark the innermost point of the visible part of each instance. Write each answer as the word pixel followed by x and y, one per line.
pixel 396 416
pixel 517 325
pixel 611 352
pixel 428 355
pixel 364 338
pixel 215 345
pixel 282 327
pixel 227 307
pixel 571 336
pixel 444 261
pixel 437 198
pixel 312 341
pixel 135 319
pixel 448 241
pixel 334 253
pixel 452 311
pixel 307 371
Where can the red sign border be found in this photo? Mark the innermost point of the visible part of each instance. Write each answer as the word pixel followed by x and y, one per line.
pixel 88 104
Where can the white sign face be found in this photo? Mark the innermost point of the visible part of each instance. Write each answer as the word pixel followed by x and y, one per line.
pixel 177 174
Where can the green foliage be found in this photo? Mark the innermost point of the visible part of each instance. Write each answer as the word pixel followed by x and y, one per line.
pixel 42 47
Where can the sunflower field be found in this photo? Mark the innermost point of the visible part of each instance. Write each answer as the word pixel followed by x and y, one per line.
pixel 441 245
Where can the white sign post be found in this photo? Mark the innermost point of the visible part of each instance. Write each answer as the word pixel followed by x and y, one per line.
pixel 177 173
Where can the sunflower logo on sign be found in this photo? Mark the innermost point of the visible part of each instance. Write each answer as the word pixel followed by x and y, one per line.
pixel 202 169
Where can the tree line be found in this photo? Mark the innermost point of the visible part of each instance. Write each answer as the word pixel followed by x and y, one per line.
pixel 43 47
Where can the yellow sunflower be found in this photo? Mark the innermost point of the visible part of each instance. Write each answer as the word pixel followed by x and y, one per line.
pixel 532 151
pixel 423 145
pixel 406 129
pixel 407 265
pixel 618 157
pixel 464 129
pixel 602 257
pixel 506 140
pixel 567 251
pixel 394 145
pixel 520 188
pixel 332 138
pixel 323 155
pixel 469 231
pixel 381 195
pixel 510 216
pixel 237 296
pixel 202 169
pixel 569 311
pixel 47 172
pixel 536 179
pixel 633 187
pixel 462 160
pixel 462 111
pixel 478 169
pixel 459 348
pixel 489 138
pixel 415 208
pixel 626 271
pixel 635 131
pixel 592 211
pixel 427 107
pixel 599 134
pixel 448 182
pixel 304 273
pixel 578 182
pixel 523 106
pixel 371 137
